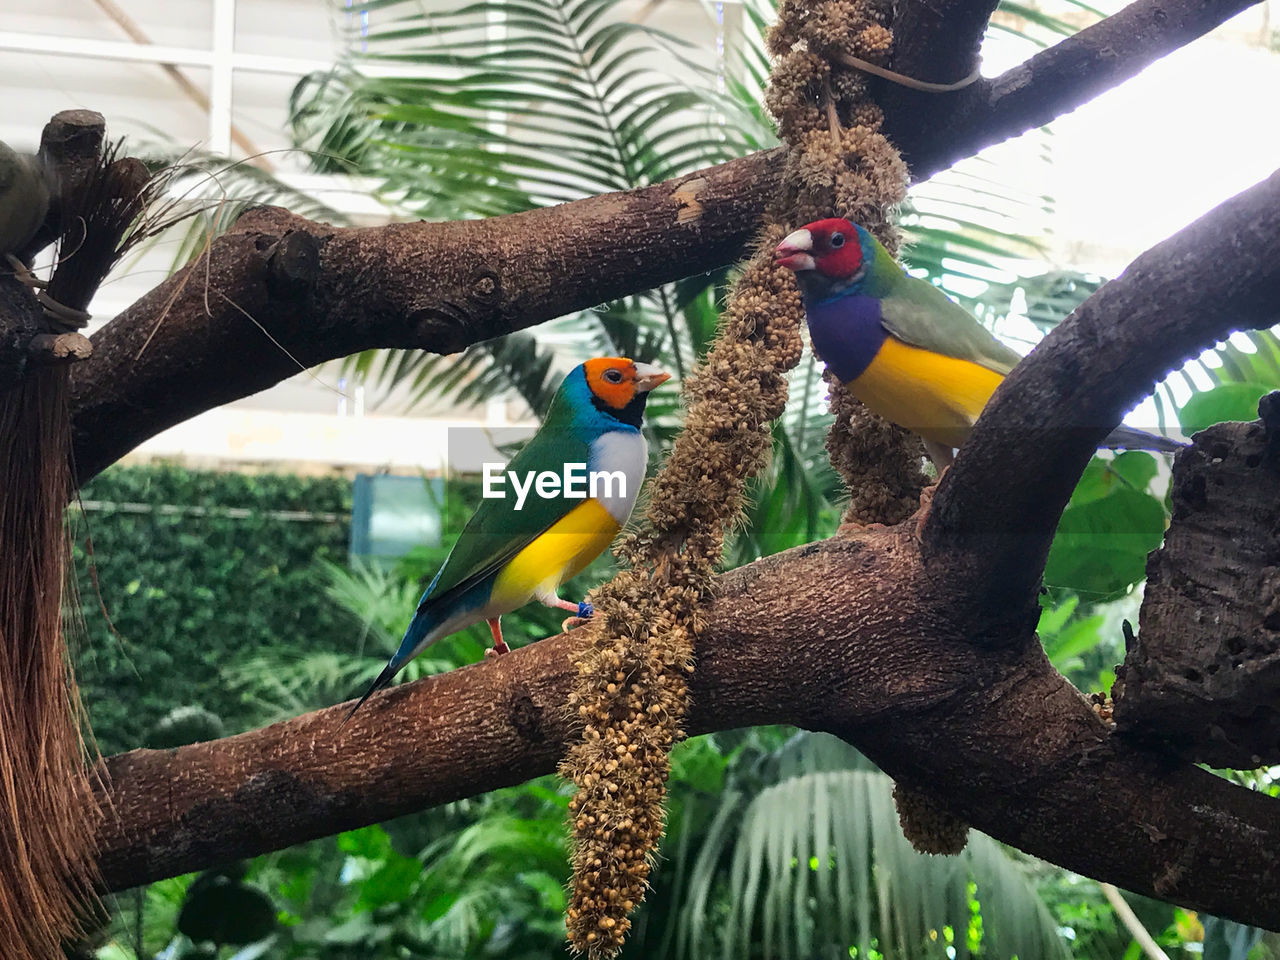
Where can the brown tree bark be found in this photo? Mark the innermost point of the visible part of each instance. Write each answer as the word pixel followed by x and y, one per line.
pixel 280 293
pixel 1002 740
pixel 1203 677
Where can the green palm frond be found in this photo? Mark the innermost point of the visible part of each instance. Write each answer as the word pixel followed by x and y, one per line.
pixel 280 686
pixel 522 364
pixel 380 602
pixel 515 364
pixel 1249 356
pixel 813 863
pixel 500 107
pixel 381 597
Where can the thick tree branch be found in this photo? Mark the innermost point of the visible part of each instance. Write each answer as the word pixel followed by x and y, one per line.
pixel 1053 82
pixel 205 336
pixel 324 293
pixel 992 524
pixel 1018 751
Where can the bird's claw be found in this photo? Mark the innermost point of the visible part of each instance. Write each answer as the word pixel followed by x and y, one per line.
pixel 926 501
pixel 585 612
pixel 497 650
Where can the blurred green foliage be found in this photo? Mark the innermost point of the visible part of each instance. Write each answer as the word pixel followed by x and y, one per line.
pixel 1114 519
pixel 191 587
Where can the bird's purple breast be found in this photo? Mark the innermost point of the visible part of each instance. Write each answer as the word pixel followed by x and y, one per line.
pixel 847 333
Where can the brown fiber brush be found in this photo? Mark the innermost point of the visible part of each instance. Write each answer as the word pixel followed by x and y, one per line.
pixel 47 812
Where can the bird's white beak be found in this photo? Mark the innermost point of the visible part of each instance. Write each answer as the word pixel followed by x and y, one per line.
pixel 649 375
pixel 794 252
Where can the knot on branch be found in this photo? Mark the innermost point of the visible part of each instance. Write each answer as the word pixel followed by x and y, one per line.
pixel 293 265
pixel 486 286
pixel 55 350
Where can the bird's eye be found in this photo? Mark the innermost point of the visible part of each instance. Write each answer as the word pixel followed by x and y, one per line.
pixel 837 241
pixel 613 376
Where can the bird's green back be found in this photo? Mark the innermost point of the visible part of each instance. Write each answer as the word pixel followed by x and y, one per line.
pixel 497 531
pixel 918 313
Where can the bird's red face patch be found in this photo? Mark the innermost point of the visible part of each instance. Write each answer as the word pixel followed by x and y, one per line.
pixel 837 249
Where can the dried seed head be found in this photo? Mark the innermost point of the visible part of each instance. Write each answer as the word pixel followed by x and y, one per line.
pixel 630 693
pixel 930 828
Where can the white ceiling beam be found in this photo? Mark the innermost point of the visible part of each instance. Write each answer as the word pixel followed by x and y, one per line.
pixel 84 47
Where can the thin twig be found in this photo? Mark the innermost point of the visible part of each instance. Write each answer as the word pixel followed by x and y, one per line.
pixel 857 63
pixel 302 368
pixel 833 115
pixel 1131 923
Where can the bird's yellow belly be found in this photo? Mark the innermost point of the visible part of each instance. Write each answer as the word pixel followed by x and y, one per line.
pixel 556 556
pixel 935 396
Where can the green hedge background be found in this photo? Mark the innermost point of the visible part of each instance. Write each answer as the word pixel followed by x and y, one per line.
pixel 191 594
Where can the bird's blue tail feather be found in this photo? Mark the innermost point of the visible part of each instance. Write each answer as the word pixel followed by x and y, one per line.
pixel 1130 438
pixel 419 628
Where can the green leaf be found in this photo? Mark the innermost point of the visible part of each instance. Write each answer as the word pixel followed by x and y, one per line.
pixel 392 882
pixel 1074 640
pixel 1101 545
pixel 1227 401
pixel 548 887
pixel 372 843
pixel 360 929
pixel 1131 470
pixel 1053 619
pixel 437 906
